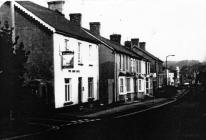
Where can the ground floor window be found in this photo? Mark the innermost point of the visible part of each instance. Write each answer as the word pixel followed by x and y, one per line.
pixel 140 84
pixel 128 84
pixel 90 87
pixel 67 89
pixel 121 85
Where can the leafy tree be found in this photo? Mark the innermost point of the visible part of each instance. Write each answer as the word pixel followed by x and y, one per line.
pixel 12 60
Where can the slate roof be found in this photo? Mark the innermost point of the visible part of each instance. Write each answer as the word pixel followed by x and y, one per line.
pixel 117 47
pixel 149 54
pixel 57 21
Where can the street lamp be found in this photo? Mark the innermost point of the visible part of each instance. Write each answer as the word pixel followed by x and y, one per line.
pixel 166 68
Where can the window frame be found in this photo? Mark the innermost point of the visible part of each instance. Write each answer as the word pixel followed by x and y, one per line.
pixel 128 84
pixel 140 85
pixel 121 85
pixel 79 55
pixel 90 84
pixel 67 83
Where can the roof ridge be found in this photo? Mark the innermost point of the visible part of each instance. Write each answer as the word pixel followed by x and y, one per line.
pixel 55 20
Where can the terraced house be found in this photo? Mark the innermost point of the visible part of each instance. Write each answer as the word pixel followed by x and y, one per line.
pixel 79 64
pixel 123 72
pixel 62 54
pixel 154 73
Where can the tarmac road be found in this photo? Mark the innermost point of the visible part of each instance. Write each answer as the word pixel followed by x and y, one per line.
pixel 179 120
pixel 184 119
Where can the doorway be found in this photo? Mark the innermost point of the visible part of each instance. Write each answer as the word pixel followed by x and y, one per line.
pixel 80 90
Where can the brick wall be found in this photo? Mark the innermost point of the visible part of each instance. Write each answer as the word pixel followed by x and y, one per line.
pixel 37 39
pixel 106 71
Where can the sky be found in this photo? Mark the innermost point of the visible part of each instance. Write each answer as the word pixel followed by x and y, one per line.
pixel 169 27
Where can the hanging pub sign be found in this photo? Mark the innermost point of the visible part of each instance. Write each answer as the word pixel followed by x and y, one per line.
pixel 67 59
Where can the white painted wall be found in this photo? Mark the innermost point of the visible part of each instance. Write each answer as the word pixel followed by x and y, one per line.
pixel 85 71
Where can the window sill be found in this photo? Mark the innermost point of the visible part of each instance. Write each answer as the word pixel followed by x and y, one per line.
pixel 90 99
pixel 68 103
pixel 67 67
pixel 122 93
pixel 80 64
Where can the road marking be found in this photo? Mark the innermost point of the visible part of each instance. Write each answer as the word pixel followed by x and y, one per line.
pixel 157 106
pixel 133 113
pixel 43 119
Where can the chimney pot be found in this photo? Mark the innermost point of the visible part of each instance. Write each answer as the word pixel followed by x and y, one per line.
pixel 142 45
pixel 116 38
pixel 56 5
pixel 134 42
pixel 76 18
pixel 127 44
pixel 95 27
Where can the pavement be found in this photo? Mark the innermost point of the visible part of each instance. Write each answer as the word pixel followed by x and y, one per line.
pixel 54 121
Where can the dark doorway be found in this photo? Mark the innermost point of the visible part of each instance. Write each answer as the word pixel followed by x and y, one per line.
pixel 80 90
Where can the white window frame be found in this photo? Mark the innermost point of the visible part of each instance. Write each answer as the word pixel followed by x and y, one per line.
pixel 127 63
pixel 90 55
pixel 124 63
pixel 91 83
pixel 140 67
pixel 128 86
pixel 67 90
pixel 121 85
pixel 79 54
pixel 121 61
pixel 140 85
pixel 66 42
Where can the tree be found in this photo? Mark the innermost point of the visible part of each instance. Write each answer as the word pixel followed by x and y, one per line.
pixel 12 60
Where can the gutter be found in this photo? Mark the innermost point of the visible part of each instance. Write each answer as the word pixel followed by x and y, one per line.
pixel 98 39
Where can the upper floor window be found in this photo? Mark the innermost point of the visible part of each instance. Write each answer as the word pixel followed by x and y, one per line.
pixel 79 54
pixel 132 65
pixel 147 68
pixel 91 55
pixel 66 41
pixel 139 66
pixel 127 63
pixel 124 61
pixel 120 62
pixel 90 50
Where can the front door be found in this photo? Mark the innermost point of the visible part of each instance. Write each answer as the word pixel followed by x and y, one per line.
pixel 80 90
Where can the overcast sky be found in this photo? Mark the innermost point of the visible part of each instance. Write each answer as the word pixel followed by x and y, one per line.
pixel 167 26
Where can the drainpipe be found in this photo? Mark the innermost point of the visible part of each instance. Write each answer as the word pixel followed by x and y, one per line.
pixel 115 76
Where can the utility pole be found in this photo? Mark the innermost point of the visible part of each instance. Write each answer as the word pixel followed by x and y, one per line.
pixel 166 68
pixel 11 112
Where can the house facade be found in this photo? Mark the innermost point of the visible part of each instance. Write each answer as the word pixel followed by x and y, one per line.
pixel 62 54
pixel 156 74
pixel 124 75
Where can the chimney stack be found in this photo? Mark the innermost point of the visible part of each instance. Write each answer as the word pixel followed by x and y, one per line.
pixel 76 18
pixel 135 42
pixel 116 38
pixel 56 5
pixel 142 45
pixel 95 27
pixel 127 44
